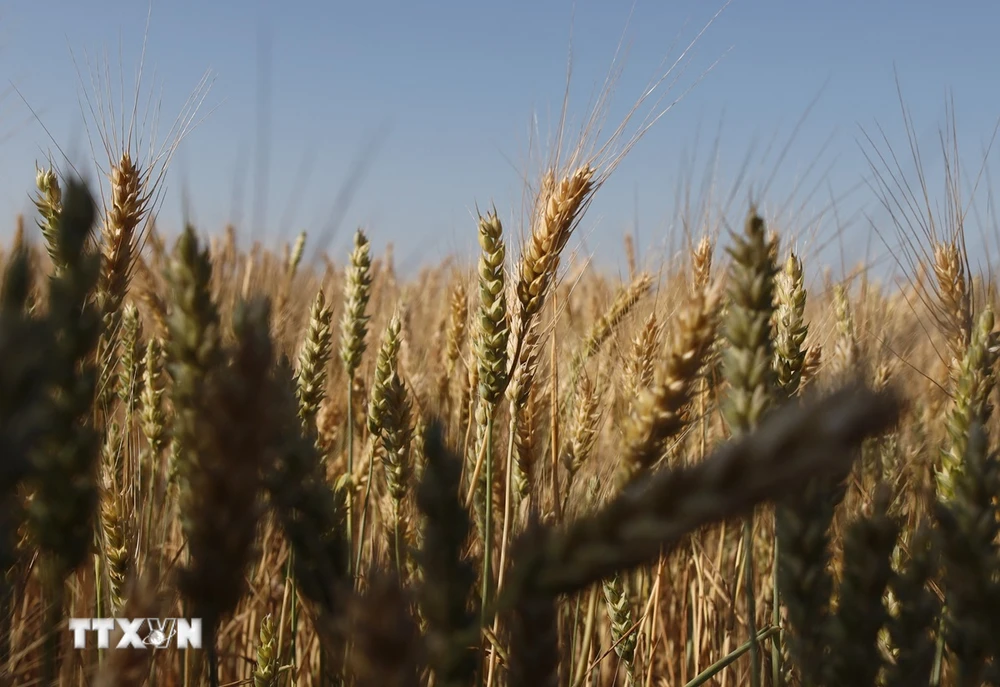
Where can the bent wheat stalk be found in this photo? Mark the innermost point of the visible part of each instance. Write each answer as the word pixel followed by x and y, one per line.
pixel 651 516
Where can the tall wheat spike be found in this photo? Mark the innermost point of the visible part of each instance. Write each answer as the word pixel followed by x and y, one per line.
pixel 747 362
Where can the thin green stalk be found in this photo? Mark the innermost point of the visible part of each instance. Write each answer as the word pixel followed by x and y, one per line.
pixel 776 673
pixel 349 500
pixel 395 536
pixel 751 601
pixel 364 506
pixel 508 503
pixel 504 536
pixel 704 676
pixel 488 507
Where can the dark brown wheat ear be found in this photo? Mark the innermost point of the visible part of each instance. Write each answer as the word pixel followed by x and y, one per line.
pixel 386 647
pixel 446 593
pixel 533 625
pixel 130 667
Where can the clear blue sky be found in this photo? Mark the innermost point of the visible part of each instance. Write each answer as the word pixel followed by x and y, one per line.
pixel 450 89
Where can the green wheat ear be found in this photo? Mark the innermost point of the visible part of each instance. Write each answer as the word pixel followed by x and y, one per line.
pixel 976 378
pixel 313 358
pixel 266 673
pixel 49 203
pixel 357 292
pixel 747 364
pixel 967 538
pixel 65 504
pixel 747 327
pixel 790 327
pixel 63 511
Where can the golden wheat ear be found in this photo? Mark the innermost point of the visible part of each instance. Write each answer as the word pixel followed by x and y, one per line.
pixel 657 413
pixel 314 356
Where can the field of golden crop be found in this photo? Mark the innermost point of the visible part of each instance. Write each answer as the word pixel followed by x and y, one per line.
pixel 718 470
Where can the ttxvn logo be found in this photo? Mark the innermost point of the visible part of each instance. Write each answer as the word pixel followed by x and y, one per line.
pixel 138 633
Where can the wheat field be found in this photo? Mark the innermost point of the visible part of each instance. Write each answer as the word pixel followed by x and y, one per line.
pixel 723 469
